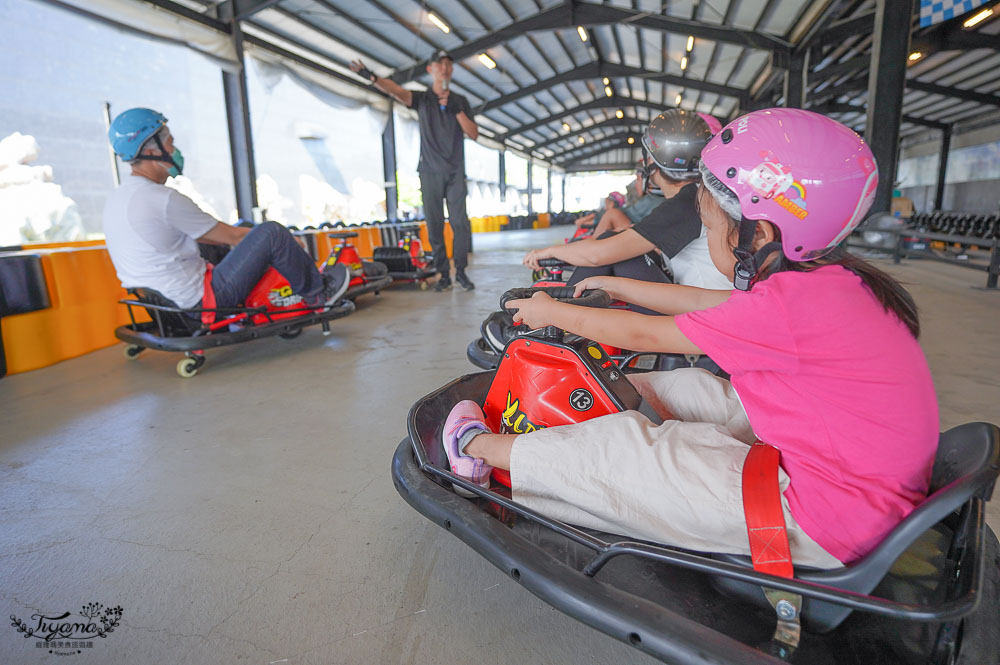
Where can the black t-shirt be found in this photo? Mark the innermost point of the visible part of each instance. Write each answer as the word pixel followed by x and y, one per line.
pixel 442 143
pixel 674 223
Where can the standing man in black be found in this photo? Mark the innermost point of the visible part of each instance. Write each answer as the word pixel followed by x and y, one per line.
pixel 444 117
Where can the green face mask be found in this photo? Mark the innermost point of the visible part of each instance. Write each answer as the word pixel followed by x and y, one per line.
pixel 178 167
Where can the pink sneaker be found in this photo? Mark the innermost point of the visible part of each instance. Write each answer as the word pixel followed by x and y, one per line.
pixel 465 416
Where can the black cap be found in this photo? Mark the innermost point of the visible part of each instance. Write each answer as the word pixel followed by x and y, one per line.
pixel 441 55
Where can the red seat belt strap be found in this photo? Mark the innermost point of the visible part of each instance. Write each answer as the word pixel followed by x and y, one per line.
pixel 208 297
pixel 765 519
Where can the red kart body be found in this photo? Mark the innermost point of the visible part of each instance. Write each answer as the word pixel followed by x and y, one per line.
pixel 274 294
pixel 542 382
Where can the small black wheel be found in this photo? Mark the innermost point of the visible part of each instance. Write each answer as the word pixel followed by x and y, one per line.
pixel 132 351
pixel 291 334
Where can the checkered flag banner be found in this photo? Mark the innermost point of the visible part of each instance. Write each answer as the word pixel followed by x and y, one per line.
pixel 936 11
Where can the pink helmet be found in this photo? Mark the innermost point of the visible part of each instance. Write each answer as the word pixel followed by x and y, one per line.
pixel 713 123
pixel 807 174
pixel 618 198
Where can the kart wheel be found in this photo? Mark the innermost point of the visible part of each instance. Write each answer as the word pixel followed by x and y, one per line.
pixel 291 334
pixel 188 367
pixel 132 351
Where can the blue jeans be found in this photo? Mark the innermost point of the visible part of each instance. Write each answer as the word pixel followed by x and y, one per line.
pixel 267 245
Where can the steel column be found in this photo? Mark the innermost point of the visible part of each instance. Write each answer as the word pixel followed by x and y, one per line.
pixel 531 187
pixel 548 190
pixel 502 177
pixel 795 80
pixel 942 167
pixel 234 87
pixel 886 84
pixel 564 192
pixel 389 167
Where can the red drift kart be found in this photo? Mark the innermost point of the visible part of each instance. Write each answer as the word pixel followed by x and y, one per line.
pixel 407 262
pixel 929 594
pixel 366 276
pixel 270 309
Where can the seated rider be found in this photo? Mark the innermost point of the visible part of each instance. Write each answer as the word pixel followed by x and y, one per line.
pixel 821 346
pixel 671 144
pixel 152 231
pixel 614 201
pixel 643 198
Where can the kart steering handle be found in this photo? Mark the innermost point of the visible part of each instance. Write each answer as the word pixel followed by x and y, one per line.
pixel 590 297
pixel 552 263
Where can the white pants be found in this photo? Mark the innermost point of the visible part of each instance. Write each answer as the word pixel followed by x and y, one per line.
pixel 679 483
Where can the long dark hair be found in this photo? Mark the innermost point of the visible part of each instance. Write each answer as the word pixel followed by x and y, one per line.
pixel 890 293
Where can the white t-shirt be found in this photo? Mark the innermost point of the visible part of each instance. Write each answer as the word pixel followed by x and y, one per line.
pixel 151 233
pixel 692 266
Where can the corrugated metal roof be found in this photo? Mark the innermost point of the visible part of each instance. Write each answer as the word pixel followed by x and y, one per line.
pixel 550 88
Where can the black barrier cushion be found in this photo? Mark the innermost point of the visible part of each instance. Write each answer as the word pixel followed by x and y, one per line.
pixel 22 284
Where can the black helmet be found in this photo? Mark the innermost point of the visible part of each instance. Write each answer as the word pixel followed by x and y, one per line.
pixel 674 140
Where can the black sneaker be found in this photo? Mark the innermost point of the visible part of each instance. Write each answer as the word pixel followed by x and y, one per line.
pixel 466 283
pixel 499 329
pixel 443 284
pixel 336 279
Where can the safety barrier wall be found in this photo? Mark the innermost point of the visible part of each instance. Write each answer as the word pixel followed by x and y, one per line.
pixel 82 292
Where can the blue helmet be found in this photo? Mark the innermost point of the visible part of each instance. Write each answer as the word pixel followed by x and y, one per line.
pixel 131 129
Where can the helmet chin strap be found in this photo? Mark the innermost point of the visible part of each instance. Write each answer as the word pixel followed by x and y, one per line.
pixel 749 262
pixel 164 156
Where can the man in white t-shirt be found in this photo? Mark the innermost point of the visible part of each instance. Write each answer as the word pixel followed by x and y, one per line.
pixel 152 231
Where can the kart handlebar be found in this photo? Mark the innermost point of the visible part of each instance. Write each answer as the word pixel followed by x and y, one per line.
pixel 552 263
pixel 590 298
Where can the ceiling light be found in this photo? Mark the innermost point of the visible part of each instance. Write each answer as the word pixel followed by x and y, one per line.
pixel 690 44
pixel 684 63
pixel 606 80
pixel 438 22
pixel 581 139
pixel 916 55
pixel 677 99
pixel 607 90
pixel 565 127
pixel 583 33
pixel 488 61
pixel 631 140
pixel 619 114
pixel 978 18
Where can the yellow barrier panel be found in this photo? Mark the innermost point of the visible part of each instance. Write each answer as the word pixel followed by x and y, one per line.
pixel 84 291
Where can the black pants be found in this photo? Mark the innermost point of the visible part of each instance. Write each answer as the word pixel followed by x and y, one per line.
pixel 267 245
pixel 435 188
pixel 645 267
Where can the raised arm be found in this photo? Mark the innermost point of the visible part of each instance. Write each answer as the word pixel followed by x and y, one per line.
pixel 388 86
pixel 600 252
pixel 662 298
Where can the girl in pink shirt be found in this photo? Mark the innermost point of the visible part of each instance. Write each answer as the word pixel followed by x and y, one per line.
pixel 821 348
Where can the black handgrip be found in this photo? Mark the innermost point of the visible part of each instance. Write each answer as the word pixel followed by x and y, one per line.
pixel 552 263
pixel 590 298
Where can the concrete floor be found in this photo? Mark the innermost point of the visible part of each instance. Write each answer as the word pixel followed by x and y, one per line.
pixel 247 515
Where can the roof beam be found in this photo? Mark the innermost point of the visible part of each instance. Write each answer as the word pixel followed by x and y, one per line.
pixel 241 9
pixel 596 70
pixel 588 168
pixel 628 121
pixel 850 27
pixel 571 14
pixel 957 93
pixel 595 148
pixel 834 107
pixel 599 103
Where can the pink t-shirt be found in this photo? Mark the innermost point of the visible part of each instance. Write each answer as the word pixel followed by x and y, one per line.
pixel 839 385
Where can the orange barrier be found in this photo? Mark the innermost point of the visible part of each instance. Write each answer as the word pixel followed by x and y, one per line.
pixel 84 291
